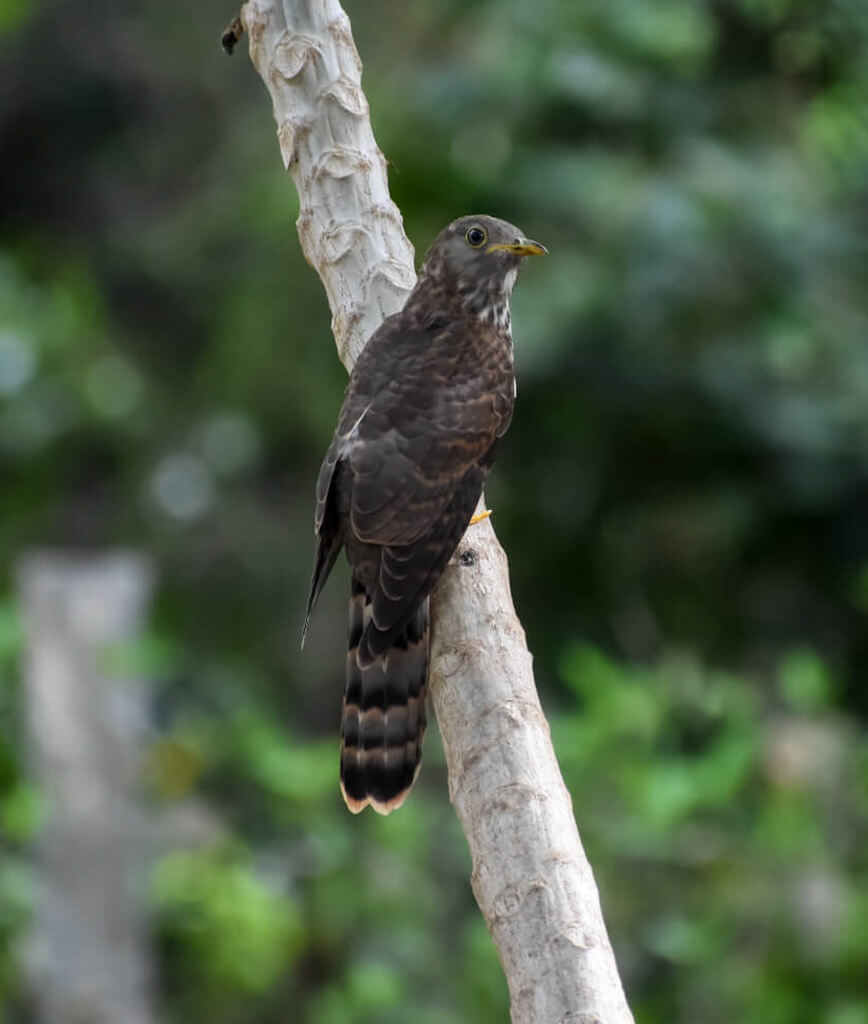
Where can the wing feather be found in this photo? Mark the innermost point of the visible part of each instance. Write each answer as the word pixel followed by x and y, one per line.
pixel 415 437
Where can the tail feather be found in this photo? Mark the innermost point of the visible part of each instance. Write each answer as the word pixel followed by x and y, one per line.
pixel 384 714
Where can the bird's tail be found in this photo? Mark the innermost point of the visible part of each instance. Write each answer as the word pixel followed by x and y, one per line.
pixel 384 712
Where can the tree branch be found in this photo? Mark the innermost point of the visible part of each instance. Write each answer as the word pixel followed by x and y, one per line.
pixel 350 230
pixel 531 878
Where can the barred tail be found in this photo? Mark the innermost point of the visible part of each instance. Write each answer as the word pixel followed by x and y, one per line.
pixel 383 713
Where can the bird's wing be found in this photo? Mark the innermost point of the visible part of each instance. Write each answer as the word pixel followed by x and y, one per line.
pixel 425 407
pixel 407 573
pixel 415 438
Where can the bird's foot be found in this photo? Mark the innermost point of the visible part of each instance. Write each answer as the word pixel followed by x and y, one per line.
pixel 479 517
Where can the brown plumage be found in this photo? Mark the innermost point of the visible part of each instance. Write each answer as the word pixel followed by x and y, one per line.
pixel 428 398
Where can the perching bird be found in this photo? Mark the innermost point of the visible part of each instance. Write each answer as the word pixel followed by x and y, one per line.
pixel 428 398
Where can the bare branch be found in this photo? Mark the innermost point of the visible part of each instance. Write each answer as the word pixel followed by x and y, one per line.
pixel 350 230
pixel 531 878
pixel 530 874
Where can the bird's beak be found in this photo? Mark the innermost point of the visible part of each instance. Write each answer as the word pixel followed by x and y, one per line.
pixel 523 247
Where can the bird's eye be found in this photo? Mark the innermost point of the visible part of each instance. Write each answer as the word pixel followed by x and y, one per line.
pixel 476 237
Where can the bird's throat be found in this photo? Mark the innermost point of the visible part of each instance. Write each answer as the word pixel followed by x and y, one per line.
pixel 487 300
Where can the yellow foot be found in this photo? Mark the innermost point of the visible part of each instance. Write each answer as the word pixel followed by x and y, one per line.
pixel 479 517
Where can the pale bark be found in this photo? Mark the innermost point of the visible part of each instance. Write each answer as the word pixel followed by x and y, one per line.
pixel 350 230
pixel 90 956
pixel 530 874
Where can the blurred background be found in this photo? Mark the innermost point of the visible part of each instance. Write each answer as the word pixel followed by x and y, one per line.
pixel 683 494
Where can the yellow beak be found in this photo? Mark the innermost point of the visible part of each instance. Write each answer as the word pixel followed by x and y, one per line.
pixel 523 248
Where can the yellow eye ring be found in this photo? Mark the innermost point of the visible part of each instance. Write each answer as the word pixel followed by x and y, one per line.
pixel 476 237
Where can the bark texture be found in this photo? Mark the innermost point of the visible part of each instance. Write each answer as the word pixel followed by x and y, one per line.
pixel 531 878
pixel 350 230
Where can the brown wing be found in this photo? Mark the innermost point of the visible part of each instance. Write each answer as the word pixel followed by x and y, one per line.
pixel 415 439
pixel 421 407
pixel 400 577
pixel 420 417
pixel 369 378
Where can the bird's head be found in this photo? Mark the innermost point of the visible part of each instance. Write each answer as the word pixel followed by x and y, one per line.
pixel 475 260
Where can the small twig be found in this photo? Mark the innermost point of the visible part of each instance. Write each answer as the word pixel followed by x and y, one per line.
pixel 232 34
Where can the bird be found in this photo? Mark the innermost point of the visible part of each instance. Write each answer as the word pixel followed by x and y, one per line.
pixel 429 397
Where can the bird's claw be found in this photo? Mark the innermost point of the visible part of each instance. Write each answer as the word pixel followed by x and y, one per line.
pixel 479 517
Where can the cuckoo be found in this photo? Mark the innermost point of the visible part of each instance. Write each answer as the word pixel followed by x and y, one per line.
pixel 428 399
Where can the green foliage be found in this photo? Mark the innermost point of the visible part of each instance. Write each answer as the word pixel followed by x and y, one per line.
pixel 721 827
pixel 237 926
pixel 13 13
pixel 21 814
pixel 804 681
pixel 682 493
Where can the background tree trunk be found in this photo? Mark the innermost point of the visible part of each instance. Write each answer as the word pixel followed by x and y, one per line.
pixel 530 874
pixel 89 954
